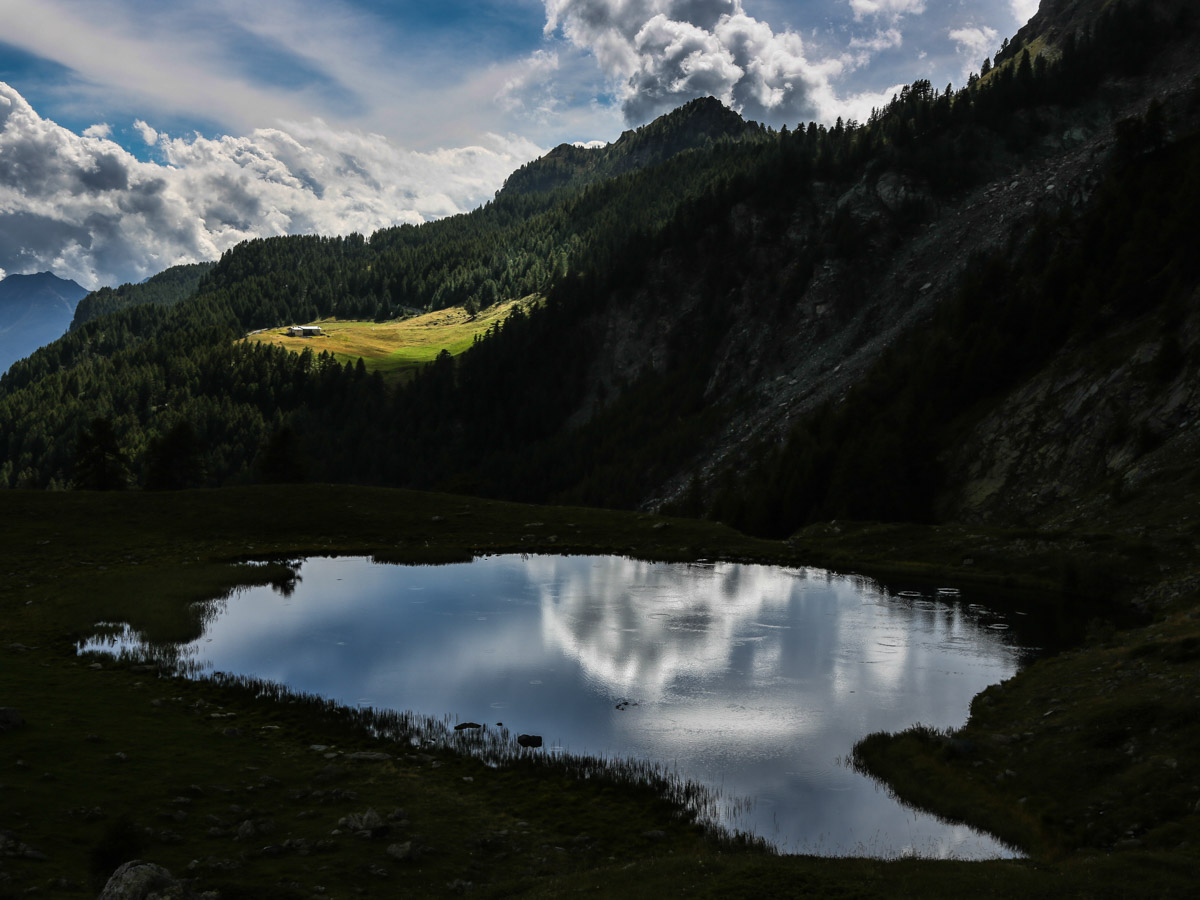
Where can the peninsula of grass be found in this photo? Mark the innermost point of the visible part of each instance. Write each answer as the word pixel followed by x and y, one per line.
pixel 1086 760
pixel 396 347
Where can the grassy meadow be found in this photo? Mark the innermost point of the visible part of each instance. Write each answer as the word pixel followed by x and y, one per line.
pixel 253 792
pixel 396 347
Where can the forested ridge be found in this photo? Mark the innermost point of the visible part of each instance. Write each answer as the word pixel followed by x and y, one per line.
pixel 167 288
pixel 678 218
pixel 147 369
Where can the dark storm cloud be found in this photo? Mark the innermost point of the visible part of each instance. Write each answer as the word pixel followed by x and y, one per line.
pixel 109 174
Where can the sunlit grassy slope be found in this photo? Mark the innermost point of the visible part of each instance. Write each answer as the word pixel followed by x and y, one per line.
pixel 393 347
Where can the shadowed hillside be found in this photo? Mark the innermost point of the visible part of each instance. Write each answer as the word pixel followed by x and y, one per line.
pixel 906 318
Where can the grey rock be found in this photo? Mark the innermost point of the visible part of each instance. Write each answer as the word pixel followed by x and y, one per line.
pixel 369 756
pixel 529 740
pixel 896 191
pixel 299 846
pixel 367 824
pixel 401 852
pixel 139 880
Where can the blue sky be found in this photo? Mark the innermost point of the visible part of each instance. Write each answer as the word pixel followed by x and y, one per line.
pixel 408 110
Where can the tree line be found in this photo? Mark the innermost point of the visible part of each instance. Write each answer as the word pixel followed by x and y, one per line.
pixel 170 398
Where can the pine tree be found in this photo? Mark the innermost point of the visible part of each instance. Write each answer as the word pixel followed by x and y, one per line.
pixel 100 464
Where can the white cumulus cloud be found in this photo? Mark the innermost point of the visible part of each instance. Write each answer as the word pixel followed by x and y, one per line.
pixel 1023 10
pixel 86 209
pixel 882 40
pixel 974 42
pixel 149 135
pixel 529 90
pixel 891 8
pixel 659 54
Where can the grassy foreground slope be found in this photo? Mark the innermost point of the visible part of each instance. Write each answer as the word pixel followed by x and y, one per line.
pixel 400 345
pixel 221 782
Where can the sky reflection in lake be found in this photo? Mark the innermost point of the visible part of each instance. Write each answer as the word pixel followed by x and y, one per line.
pixel 754 679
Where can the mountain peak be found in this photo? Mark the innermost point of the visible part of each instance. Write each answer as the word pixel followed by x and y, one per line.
pixel 691 126
pixel 16 288
pixel 34 310
pixel 704 117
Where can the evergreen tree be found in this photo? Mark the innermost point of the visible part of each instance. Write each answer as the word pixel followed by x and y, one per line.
pixel 100 464
pixel 279 461
pixel 174 461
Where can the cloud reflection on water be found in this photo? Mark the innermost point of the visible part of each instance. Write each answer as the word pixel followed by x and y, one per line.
pixel 751 678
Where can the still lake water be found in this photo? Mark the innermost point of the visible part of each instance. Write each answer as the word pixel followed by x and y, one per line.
pixel 756 680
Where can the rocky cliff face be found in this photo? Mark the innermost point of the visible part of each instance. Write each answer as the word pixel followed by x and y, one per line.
pixel 1079 441
pixel 1055 20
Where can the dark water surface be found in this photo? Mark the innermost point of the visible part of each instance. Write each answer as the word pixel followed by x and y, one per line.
pixel 755 680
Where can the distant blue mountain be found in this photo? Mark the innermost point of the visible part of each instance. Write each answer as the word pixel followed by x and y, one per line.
pixel 34 310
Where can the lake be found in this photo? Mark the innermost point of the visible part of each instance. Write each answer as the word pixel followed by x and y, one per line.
pixel 754 680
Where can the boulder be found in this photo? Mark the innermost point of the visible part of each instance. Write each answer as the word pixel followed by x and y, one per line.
pixel 529 740
pixel 367 824
pixel 138 880
pixel 401 852
pixel 901 194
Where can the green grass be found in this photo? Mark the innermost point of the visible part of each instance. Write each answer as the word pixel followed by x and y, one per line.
pixel 1089 751
pixel 122 761
pixel 399 346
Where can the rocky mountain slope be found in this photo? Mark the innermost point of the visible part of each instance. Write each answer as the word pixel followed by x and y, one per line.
pixel 1108 416
pixel 34 310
